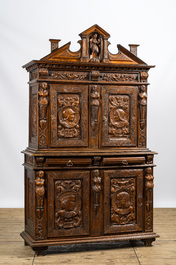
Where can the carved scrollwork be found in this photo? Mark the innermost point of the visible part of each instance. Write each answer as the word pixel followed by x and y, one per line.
pixel 96 189
pixel 43 104
pixel 69 116
pixel 123 201
pixel 68 213
pixel 40 192
pixel 149 198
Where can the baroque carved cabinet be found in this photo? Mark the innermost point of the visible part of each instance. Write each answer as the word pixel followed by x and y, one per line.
pixel 88 172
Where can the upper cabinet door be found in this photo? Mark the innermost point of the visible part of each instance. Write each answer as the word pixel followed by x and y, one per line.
pixel 69 115
pixel 119 116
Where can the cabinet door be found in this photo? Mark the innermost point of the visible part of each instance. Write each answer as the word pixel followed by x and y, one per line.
pixel 119 116
pixel 68 203
pixel 69 115
pixel 123 199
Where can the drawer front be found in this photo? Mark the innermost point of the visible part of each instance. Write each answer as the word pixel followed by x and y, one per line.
pixel 124 161
pixel 68 203
pixel 68 162
pixel 123 201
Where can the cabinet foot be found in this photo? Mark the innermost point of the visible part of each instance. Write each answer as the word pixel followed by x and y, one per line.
pixel 25 244
pixel 148 242
pixel 40 251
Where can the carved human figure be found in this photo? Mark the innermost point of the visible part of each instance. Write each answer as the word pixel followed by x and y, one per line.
pixel 43 100
pixel 143 104
pixel 68 117
pixel 94 47
pixel 40 190
pixel 118 117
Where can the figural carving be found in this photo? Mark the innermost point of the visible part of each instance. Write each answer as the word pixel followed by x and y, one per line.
pixel 96 189
pixel 68 212
pixel 94 44
pixel 43 104
pixel 68 115
pixel 119 115
pixel 149 198
pixel 123 201
pixel 143 106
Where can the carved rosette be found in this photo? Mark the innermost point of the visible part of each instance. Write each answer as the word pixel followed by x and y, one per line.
pixel 43 104
pixel 119 115
pixel 39 193
pixel 149 199
pixel 96 189
pixel 68 212
pixel 143 114
pixel 68 116
pixel 94 102
pixel 123 201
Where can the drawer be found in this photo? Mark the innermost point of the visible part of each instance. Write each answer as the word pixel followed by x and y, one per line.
pixel 123 160
pixel 68 162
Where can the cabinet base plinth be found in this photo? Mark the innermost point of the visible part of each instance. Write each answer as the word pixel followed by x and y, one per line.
pixel 41 246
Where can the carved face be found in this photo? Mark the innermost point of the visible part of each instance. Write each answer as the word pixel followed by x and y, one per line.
pixel 68 114
pixel 69 117
pixel 68 203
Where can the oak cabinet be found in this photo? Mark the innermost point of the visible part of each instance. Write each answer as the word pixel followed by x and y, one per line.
pixel 88 171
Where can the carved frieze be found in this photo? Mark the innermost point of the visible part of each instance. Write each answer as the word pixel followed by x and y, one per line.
pixel 119 77
pixel 68 200
pixel 119 115
pixel 149 199
pixel 96 189
pixel 123 201
pixel 68 116
pixel 40 193
pixel 68 75
pixel 43 104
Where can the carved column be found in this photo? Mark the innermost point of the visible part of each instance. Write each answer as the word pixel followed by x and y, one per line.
pixel 43 104
pixel 96 189
pixel 94 102
pixel 39 194
pixel 143 114
pixel 149 200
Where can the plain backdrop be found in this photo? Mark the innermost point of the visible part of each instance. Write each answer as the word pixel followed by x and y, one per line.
pixel 26 26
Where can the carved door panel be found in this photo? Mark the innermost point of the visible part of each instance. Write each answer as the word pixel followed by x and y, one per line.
pixel 69 115
pixel 123 200
pixel 68 203
pixel 119 116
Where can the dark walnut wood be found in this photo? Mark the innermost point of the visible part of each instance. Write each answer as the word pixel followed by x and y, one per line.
pixel 88 172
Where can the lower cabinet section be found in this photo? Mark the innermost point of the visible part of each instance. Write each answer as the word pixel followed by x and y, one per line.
pixel 68 203
pixel 71 205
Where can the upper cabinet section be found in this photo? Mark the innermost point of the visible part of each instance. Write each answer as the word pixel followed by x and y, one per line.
pixel 93 49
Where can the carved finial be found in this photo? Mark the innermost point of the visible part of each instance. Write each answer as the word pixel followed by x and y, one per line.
pixel 133 48
pixel 54 44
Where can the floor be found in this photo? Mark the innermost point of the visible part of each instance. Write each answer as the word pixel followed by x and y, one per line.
pixel 163 251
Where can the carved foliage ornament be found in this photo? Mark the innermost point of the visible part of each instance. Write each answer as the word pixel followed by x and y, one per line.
pixel 43 104
pixel 123 201
pixel 68 116
pixel 68 212
pixel 40 192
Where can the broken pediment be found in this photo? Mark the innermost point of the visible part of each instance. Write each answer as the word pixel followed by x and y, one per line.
pixel 94 49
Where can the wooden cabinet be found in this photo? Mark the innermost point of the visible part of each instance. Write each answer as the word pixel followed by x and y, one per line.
pixel 88 171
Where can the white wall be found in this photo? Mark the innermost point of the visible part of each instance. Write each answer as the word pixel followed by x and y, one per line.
pixel 26 26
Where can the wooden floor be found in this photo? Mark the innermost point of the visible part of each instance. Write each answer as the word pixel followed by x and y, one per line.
pixel 163 251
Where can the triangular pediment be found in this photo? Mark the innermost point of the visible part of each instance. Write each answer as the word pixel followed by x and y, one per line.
pixel 95 28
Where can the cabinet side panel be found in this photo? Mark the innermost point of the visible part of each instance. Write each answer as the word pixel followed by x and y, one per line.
pixel 33 115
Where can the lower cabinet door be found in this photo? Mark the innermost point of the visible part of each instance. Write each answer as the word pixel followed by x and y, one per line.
pixel 123 201
pixel 68 203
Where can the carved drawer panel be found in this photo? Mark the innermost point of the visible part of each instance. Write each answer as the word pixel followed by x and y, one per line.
pixel 68 162
pixel 123 197
pixel 123 160
pixel 119 116
pixel 69 115
pixel 68 203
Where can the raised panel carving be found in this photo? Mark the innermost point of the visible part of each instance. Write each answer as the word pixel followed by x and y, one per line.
pixel 119 116
pixel 69 115
pixel 123 194
pixel 68 200
pixel 68 204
